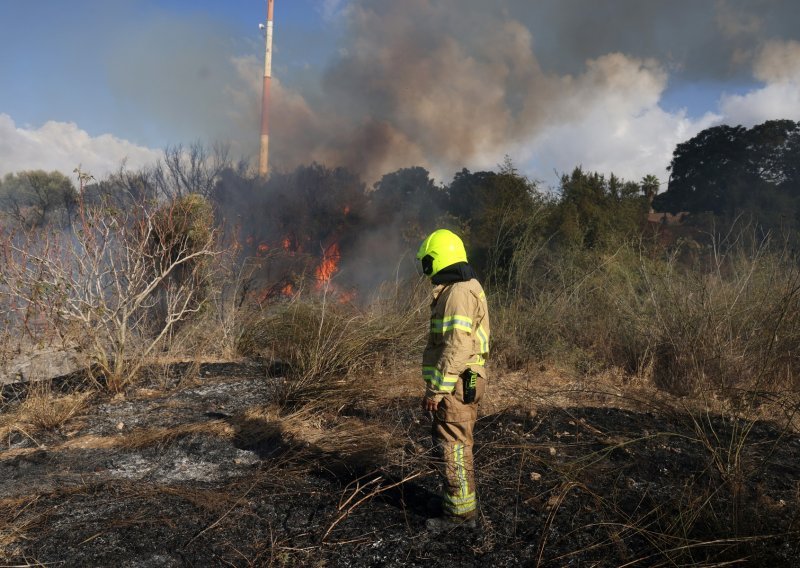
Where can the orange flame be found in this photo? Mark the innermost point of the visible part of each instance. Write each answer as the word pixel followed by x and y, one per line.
pixel 288 290
pixel 346 209
pixel 329 265
pixel 347 297
pixel 286 243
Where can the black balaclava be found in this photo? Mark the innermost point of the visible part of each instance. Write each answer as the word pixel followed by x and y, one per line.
pixel 458 272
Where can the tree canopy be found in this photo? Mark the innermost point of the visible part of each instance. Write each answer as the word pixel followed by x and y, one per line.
pixel 728 170
pixel 34 198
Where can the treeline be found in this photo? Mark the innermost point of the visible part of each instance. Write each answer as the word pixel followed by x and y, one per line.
pixel 722 175
pixel 314 205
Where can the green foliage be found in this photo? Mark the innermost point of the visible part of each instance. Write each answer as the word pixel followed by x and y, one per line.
pixel 595 212
pixel 731 171
pixel 650 185
pixel 501 211
pixel 36 198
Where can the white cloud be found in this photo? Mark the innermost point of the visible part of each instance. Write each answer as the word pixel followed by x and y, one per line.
pixel 778 66
pixel 62 146
pixel 774 101
pixel 630 145
pixel 609 120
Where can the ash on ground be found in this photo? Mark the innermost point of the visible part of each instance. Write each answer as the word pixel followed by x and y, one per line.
pixel 194 474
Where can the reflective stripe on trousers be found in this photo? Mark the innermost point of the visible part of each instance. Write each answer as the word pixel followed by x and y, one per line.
pixel 454 444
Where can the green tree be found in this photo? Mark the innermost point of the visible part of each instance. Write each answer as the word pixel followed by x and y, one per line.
pixel 35 198
pixel 730 171
pixel 650 185
pixel 594 212
pixel 500 210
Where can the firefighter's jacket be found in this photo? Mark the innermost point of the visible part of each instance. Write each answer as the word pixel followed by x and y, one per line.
pixel 459 337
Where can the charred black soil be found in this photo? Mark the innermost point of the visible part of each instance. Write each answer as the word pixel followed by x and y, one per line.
pixel 205 470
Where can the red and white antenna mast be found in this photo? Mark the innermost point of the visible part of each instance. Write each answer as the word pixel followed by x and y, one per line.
pixel 263 160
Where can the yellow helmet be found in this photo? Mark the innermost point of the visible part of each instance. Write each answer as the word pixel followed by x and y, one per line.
pixel 440 250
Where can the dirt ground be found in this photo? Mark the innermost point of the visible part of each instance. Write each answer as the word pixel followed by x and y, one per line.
pixel 198 466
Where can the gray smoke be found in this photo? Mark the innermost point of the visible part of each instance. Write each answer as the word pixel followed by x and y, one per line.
pixel 701 40
pixel 178 74
pixel 448 83
pixel 438 83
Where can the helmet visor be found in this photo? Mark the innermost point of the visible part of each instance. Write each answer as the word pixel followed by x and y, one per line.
pixel 425 265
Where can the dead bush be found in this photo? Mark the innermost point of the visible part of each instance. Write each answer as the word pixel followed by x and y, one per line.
pixel 97 286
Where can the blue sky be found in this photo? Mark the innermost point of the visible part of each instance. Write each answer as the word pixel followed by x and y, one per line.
pixel 381 84
pixel 54 64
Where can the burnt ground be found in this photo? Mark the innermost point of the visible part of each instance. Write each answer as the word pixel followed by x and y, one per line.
pixel 199 468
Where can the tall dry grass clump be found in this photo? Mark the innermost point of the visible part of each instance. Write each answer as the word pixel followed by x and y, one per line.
pixel 42 410
pixel 733 327
pixel 339 349
pixel 566 309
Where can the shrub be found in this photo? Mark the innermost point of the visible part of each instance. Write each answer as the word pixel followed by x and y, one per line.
pixel 181 230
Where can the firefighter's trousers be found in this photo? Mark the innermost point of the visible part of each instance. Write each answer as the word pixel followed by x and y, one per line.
pixel 453 425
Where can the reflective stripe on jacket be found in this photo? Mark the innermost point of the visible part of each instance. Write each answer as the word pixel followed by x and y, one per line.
pixel 459 336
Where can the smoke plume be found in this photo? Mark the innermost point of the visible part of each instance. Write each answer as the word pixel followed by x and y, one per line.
pixel 452 83
pixel 443 84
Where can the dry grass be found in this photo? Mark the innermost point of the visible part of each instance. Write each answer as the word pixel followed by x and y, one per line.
pixel 147 437
pixel 132 440
pixel 15 524
pixel 726 326
pixel 333 351
pixel 42 410
pixel 312 429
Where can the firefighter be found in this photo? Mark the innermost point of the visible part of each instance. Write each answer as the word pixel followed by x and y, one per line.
pixel 453 367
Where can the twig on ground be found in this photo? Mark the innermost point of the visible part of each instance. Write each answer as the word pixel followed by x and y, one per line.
pixel 377 491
